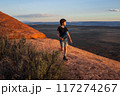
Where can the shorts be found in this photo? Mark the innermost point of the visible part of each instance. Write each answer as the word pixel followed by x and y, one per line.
pixel 64 43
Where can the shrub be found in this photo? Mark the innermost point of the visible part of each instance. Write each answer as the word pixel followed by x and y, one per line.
pixel 20 60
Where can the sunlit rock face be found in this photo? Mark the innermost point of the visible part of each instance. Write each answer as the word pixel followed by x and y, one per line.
pixel 17 29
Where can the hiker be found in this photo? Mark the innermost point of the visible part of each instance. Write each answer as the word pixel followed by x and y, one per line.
pixel 63 35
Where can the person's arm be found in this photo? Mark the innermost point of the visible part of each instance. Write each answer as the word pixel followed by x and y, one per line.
pixel 58 34
pixel 69 37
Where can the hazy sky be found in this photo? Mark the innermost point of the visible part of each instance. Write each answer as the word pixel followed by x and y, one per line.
pixel 53 10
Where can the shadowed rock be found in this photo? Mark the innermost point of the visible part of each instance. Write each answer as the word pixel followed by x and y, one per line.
pixel 82 65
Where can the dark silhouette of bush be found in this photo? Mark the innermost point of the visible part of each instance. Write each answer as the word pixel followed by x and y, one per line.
pixel 20 61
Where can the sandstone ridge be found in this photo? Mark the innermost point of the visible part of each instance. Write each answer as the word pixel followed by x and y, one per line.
pixel 17 29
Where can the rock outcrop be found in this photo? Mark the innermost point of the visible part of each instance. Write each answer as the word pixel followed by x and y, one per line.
pixel 17 29
pixel 82 65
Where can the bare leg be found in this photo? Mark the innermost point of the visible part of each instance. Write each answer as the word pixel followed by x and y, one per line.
pixel 65 50
pixel 62 49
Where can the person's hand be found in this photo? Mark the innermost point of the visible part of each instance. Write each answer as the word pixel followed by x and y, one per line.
pixel 60 38
pixel 71 41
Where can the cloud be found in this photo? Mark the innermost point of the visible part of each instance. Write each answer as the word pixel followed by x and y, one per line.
pixel 35 15
pixel 115 10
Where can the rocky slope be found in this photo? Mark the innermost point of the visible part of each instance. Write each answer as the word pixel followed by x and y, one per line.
pixel 17 29
pixel 82 64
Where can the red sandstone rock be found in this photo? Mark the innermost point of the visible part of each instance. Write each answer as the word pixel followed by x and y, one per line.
pixel 17 29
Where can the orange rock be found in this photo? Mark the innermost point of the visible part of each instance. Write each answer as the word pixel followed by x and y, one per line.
pixel 17 29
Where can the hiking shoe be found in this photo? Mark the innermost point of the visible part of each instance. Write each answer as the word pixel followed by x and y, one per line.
pixel 65 59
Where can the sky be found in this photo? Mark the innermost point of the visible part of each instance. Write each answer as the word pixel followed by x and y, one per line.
pixel 54 10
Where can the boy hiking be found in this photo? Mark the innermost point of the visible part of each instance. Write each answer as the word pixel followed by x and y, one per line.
pixel 63 35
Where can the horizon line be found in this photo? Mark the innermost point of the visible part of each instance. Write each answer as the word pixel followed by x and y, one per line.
pixel 72 21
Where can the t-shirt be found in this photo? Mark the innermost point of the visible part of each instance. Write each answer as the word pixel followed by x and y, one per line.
pixel 62 31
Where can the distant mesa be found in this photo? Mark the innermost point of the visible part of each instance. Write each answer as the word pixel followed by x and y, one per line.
pixel 17 29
